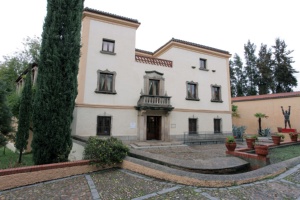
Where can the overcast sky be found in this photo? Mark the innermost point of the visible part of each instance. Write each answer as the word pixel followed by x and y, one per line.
pixel 226 25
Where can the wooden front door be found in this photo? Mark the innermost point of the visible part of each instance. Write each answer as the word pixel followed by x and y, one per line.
pixel 153 127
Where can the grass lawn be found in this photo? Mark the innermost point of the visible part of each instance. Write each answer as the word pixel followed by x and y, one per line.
pixel 284 153
pixel 10 159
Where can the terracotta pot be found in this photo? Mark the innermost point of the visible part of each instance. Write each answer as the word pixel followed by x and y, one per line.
pixel 261 150
pixel 276 139
pixel 230 146
pixel 250 143
pixel 294 138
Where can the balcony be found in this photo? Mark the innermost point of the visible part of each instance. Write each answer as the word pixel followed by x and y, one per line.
pixel 149 102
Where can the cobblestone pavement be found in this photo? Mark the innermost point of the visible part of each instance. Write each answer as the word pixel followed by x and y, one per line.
pixel 123 184
pixel 193 152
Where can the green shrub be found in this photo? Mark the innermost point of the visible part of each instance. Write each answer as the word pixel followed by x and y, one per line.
pixel 105 151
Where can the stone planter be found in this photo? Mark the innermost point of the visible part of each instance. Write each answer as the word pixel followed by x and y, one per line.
pixel 230 146
pixel 261 150
pixel 250 143
pixel 276 139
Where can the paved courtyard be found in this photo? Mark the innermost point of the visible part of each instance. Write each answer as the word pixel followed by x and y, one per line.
pixel 123 184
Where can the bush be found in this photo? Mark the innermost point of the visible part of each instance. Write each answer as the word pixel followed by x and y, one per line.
pixel 105 152
pixel 238 131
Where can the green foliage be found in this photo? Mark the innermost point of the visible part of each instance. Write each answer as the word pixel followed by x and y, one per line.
pixel 230 139
pixel 238 131
pixel 3 142
pixel 260 116
pixel 238 72
pixel 251 136
pixel 265 132
pixel 105 152
pixel 279 135
pixel 14 100
pixel 283 70
pixel 250 68
pixel 24 116
pixel 9 160
pixel 234 109
pixel 265 67
pixel 14 65
pixel 5 114
pixel 232 79
pixel 270 71
pixel 56 86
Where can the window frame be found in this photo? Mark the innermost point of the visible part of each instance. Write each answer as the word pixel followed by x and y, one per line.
pixel 205 64
pixel 98 133
pixel 113 91
pixel 196 98
pixel 213 98
pixel 105 48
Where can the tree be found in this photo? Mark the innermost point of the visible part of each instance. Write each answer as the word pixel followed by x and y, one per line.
pixel 56 87
pixel 250 68
pixel 232 79
pixel 5 114
pixel 3 142
pixel 5 117
pixel 241 82
pixel 24 116
pixel 283 70
pixel 15 65
pixel 265 67
pixel 259 116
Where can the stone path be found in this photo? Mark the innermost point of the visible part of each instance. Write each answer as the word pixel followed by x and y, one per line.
pixel 123 184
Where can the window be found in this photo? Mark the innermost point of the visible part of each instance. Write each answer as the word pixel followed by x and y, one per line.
pixel 192 91
pixel 217 125
pixel 153 87
pixel 202 63
pixel 106 82
pixel 192 125
pixel 103 125
pixel 154 83
pixel 108 46
pixel 216 93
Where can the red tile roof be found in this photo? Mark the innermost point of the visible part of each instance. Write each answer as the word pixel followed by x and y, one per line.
pixel 266 96
pixel 153 61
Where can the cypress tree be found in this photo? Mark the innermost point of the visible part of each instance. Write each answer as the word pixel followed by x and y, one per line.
pixel 24 116
pixel 283 70
pixel 250 68
pixel 265 67
pixel 57 81
pixel 232 79
pixel 241 81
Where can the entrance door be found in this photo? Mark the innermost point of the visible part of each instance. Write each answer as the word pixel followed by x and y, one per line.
pixel 153 127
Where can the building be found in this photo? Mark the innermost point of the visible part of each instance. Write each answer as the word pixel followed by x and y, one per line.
pixel 269 104
pixel 139 95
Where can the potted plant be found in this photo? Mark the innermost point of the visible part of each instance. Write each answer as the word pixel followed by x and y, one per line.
pixel 250 140
pixel 277 137
pixel 230 143
pixel 293 136
pixel 261 150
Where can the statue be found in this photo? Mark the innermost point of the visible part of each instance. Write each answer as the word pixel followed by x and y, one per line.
pixel 286 115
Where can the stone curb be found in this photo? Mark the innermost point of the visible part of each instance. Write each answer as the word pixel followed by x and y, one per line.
pixel 35 168
pixel 206 180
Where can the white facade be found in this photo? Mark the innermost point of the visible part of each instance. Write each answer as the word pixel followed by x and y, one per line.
pixel 169 107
